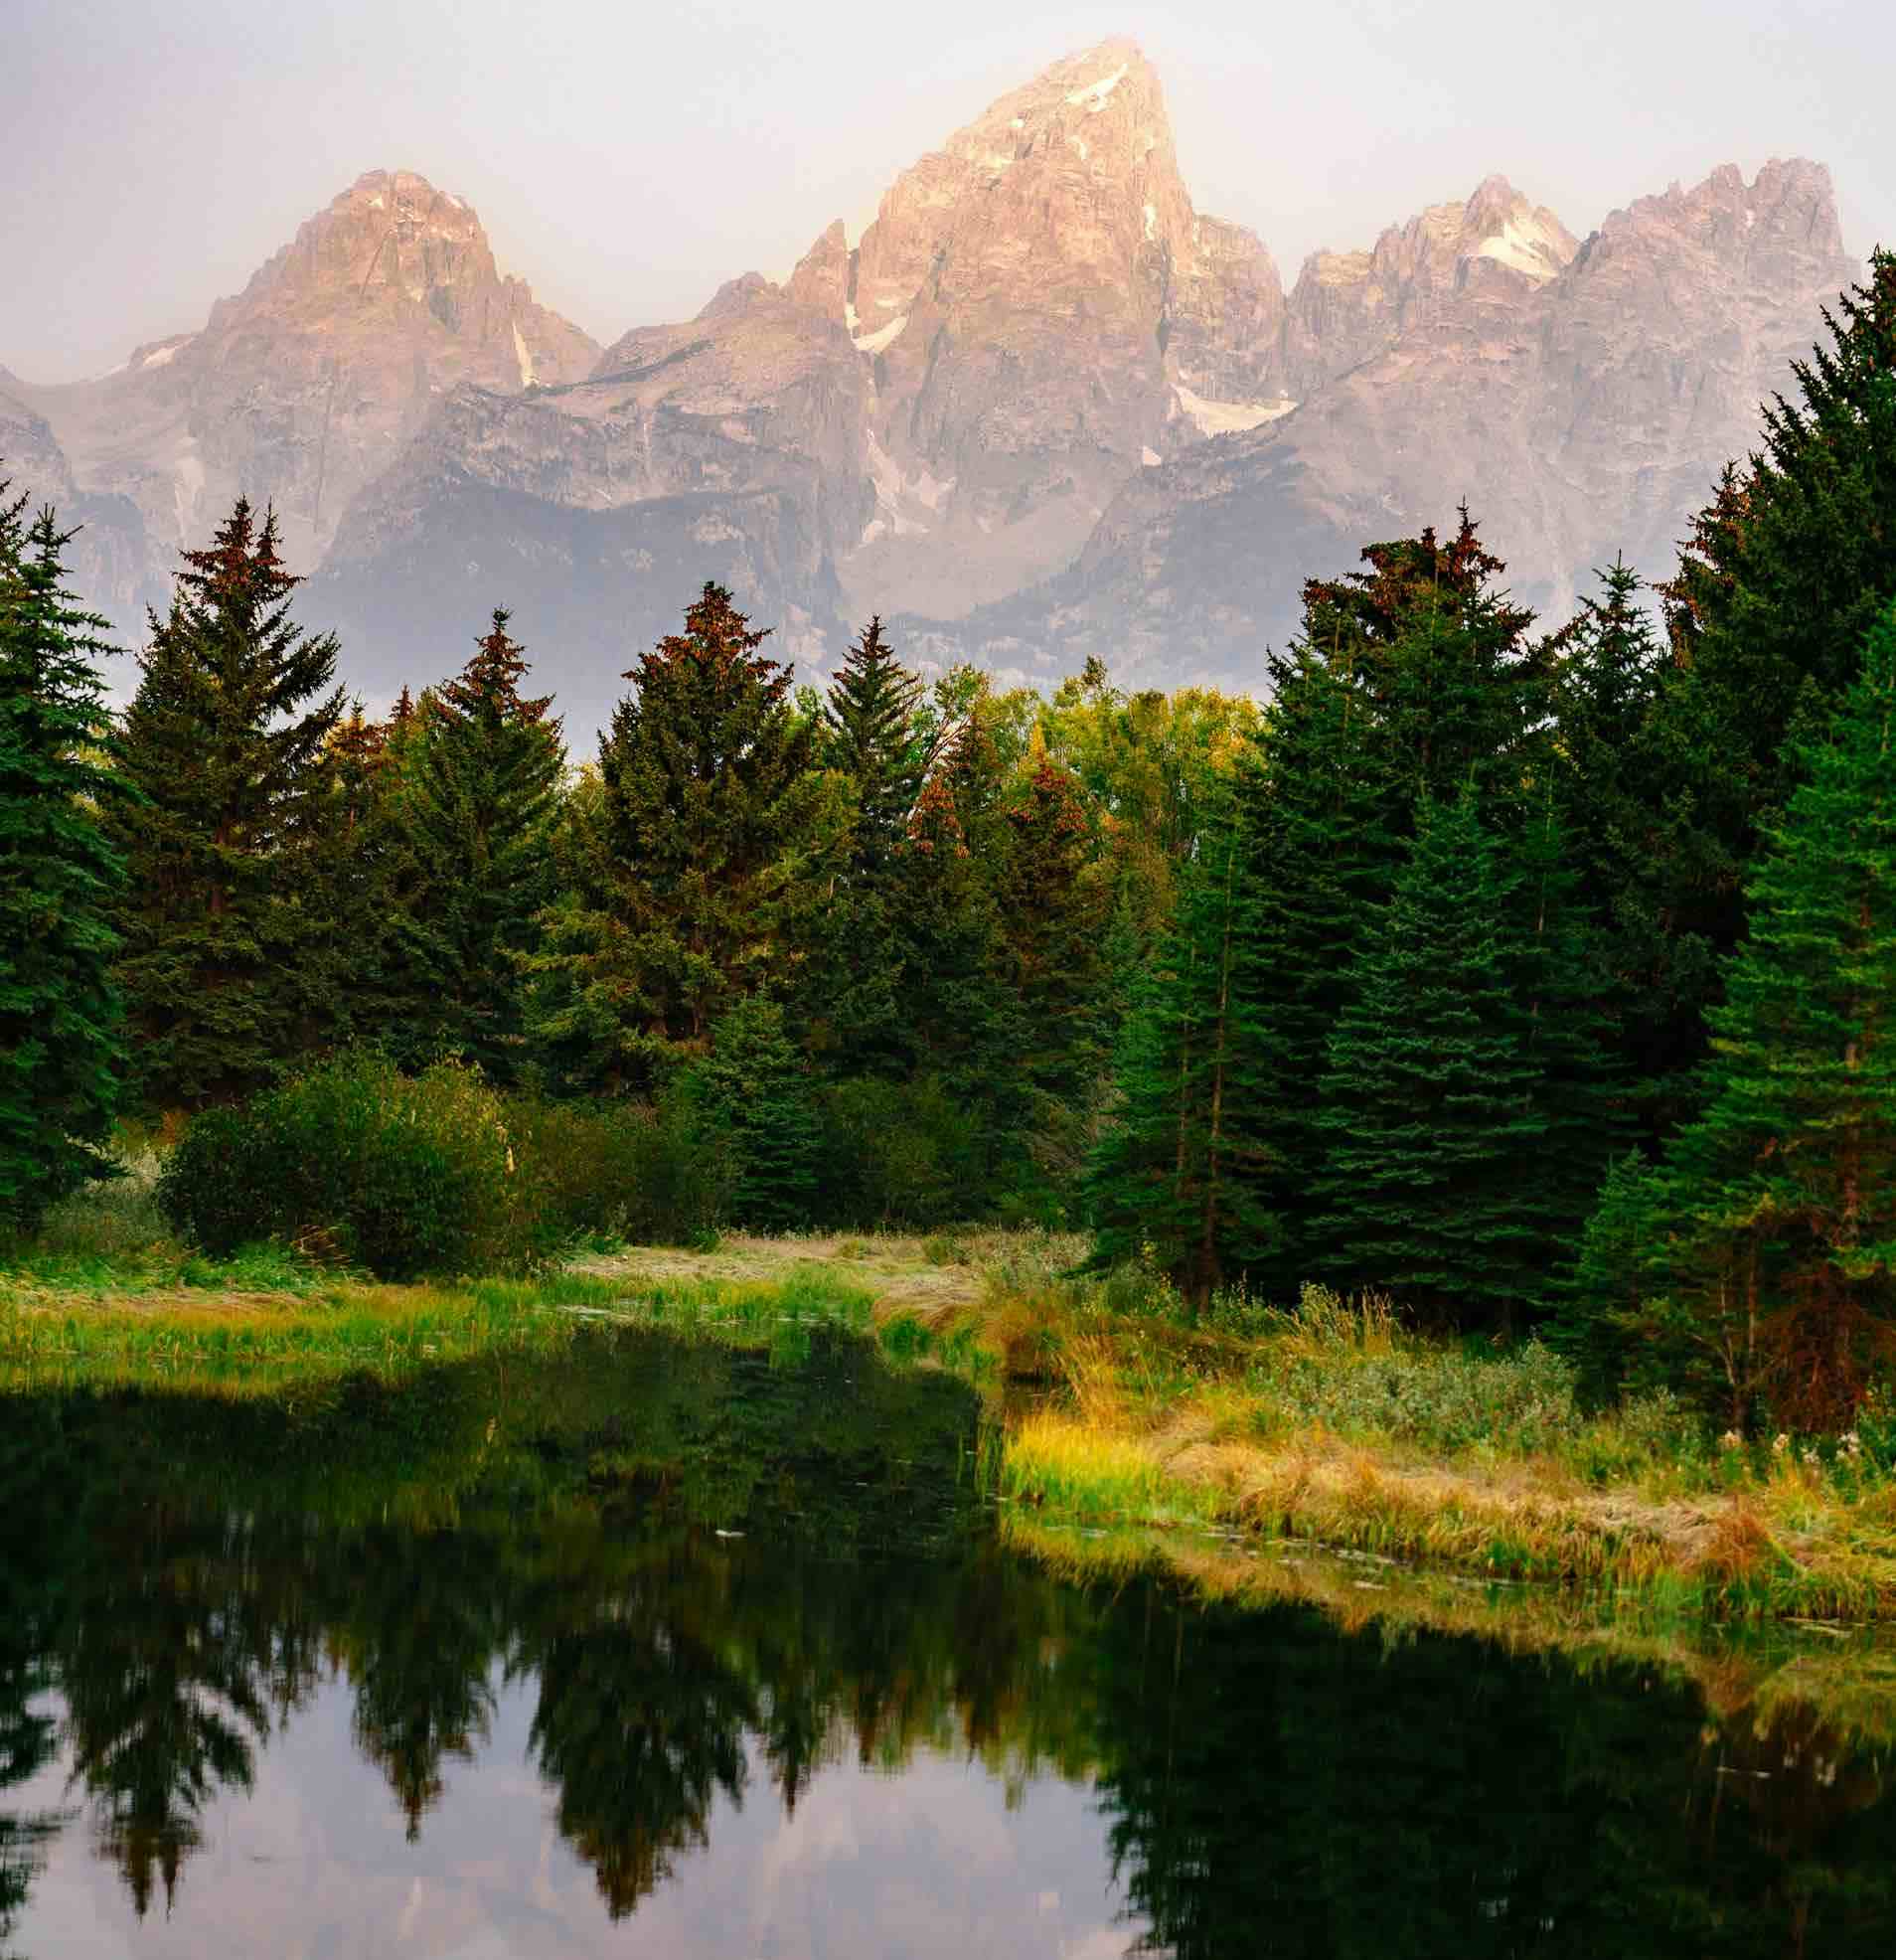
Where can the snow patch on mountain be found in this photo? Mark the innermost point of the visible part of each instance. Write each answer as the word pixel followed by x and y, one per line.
pixel 1526 245
pixel 873 343
pixel 1229 417
pixel 1094 94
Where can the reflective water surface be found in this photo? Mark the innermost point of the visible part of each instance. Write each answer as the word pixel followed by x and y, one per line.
pixel 675 1651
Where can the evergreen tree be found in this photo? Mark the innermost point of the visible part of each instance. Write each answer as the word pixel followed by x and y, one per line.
pixel 361 879
pixel 1560 984
pixel 1635 837
pixel 1405 680
pixel 1172 1181
pixel 62 1059
pixel 1428 1106
pixel 479 804
pixel 716 835
pixel 955 996
pixel 851 995
pixel 1794 559
pixel 1323 842
pixel 1459 689
pixel 1053 902
pixel 1602 1301
pixel 1776 1210
pixel 227 971
pixel 754 1087
pixel 870 733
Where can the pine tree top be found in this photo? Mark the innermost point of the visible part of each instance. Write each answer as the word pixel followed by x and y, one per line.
pixel 487 689
pixel 1408 576
pixel 719 637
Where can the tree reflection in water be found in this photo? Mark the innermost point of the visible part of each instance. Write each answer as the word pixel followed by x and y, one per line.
pixel 695 1562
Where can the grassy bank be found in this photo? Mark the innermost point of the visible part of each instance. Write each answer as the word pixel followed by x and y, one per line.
pixel 1121 1429
pixel 1333 1426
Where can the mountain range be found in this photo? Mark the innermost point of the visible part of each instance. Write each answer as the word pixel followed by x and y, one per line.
pixel 1043 408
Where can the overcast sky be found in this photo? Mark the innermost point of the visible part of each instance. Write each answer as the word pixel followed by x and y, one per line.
pixel 627 158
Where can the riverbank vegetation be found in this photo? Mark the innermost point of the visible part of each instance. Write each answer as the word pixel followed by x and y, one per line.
pixel 1448 1110
pixel 1116 1415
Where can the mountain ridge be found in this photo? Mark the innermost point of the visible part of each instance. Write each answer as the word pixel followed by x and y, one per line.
pixel 1041 407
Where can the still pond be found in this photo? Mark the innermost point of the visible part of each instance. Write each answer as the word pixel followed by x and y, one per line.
pixel 682 1651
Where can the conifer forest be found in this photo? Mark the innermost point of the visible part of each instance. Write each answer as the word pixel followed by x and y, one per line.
pixel 1534 976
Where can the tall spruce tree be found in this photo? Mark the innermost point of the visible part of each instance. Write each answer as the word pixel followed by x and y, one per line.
pixel 1054 902
pixel 1429 1107
pixel 479 800
pixel 1173 1179
pixel 1775 1212
pixel 1405 681
pixel 361 879
pixel 717 832
pixel 870 733
pixel 61 1055
pixel 227 971
pixel 1795 558
pixel 1785 570
pixel 1562 986
pixel 1323 832
pixel 1635 837
pixel 851 994
pixel 955 994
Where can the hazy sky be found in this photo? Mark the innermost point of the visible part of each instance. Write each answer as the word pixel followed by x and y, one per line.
pixel 627 158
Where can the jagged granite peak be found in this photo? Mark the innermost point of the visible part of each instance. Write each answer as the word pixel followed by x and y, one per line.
pixel 1580 415
pixel 306 385
pixel 933 415
pixel 1348 306
pixel 1046 312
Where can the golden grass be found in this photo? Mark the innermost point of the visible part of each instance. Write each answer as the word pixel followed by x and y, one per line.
pixel 1783 1549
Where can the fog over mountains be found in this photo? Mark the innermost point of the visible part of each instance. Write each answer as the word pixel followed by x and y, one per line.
pixel 1043 408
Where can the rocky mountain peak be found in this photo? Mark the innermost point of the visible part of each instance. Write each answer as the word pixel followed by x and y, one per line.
pixel 1348 306
pixel 301 388
pixel 395 254
pixel 1786 213
pixel 1501 227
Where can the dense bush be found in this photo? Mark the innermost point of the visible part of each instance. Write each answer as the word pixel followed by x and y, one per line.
pixel 439 1172
pixel 1351 1368
pixel 621 1170
pixel 402 1175
pixel 900 1154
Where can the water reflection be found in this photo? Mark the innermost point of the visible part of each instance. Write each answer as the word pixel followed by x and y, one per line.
pixel 693 1591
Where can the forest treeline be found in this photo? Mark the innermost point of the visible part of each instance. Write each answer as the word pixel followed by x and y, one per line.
pixel 1536 976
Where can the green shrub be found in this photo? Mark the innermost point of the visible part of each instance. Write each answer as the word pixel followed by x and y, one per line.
pixel 401 1175
pixel 621 1170
pixel 898 1154
pixel 116 1218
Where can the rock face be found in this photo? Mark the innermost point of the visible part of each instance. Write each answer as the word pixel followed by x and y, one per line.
pixel 310 382
pixel 1582 400
pixel 109 560
pixel 1044 407
pixel 930 418
pixel 728 448
pixel 1043 308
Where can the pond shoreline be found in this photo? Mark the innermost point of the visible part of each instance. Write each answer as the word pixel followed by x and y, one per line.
pixel 1132 1427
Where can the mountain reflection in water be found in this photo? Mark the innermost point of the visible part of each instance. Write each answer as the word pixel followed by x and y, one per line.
pixel 671 1649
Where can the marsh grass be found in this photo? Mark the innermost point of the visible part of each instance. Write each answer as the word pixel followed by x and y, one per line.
pixel 1329 1424
pixel 1332 1424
